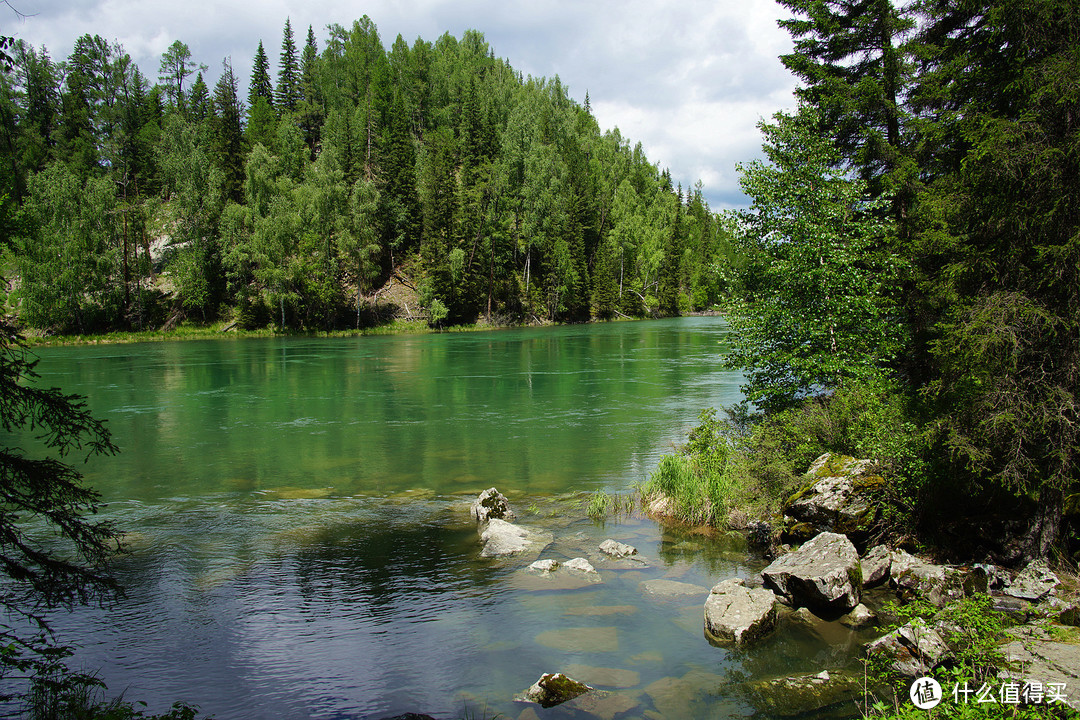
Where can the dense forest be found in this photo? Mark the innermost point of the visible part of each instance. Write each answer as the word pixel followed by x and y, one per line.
pixel 129 203
pixel 916 235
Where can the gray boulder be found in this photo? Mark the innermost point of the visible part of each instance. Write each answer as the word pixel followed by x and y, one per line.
pixel 491 504
pixel 823 575
pixel 617 549
pixel 876 565
pixel 554 689
pixel 501 539
pixel 914 649
pixel 914 577
pixel 581 565
pixel 838 497
pixel 738 614
pixel 1033 583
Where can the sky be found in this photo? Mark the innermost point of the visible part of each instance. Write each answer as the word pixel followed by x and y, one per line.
pixel 689 79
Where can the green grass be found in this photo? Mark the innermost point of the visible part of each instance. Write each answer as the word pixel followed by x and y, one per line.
pixel 217 331
pixel 602 504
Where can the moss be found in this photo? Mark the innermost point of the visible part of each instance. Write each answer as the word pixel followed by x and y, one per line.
pixel 834 466
pixel 855 576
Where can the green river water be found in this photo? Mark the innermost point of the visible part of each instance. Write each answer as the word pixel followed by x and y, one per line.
pixel 301 547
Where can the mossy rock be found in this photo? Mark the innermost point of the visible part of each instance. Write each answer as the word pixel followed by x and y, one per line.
pixel 798 694
pixel 834 464
pixel 800 532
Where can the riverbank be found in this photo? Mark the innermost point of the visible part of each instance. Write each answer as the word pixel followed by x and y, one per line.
pixel 228 330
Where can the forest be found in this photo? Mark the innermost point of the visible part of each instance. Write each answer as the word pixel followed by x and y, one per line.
pixel 130 203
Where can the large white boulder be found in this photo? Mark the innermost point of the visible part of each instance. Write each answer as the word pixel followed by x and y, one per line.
pixel 738 614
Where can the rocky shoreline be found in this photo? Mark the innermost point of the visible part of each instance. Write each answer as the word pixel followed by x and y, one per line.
pixel 824 585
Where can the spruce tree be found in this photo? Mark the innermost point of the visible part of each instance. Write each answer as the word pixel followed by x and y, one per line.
pixel 288 87
pixel 260 87
pixel 856 61
pixel 312 109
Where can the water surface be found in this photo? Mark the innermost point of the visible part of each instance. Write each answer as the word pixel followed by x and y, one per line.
pixel 298 522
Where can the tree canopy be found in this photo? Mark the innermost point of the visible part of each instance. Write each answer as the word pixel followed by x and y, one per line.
pixel 494 194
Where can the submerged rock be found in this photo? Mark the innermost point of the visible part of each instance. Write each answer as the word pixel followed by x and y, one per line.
pixel 501 538
pixel 582 639
pixel 798 694
pixel 491 504
pixel 738 614
pixel 554 689
pixel 823 574
pixel 603 704
pixel 669 589
pixel 617 549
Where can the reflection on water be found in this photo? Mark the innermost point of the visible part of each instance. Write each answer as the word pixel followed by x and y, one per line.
pixel 300 538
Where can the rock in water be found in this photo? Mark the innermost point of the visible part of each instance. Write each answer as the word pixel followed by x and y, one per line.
pixel 823 574
pixel 738 614
pixel 501 538
pixel 580 564
pixel 554 689
pixel 617 549
pixel 491 504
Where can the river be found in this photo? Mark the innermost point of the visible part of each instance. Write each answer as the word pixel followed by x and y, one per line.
pixel 297 513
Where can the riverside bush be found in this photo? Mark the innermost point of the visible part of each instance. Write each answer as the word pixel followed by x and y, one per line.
pixel 755 462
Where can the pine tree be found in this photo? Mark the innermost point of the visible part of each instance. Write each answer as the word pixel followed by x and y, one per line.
pixel 228 135
pixel 176 66
pixel 288 87
pixel 260 87
pixel 69 565
pixel 312 109
pixel 855 59
pixel 998 254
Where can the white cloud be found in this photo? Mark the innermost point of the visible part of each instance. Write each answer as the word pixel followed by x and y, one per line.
pixel 687 78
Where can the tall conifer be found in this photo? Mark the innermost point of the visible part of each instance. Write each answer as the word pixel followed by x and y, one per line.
pixel 288 87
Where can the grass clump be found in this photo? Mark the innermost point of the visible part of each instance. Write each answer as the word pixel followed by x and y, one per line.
pixel 748 465
pixel 602 504
pixel 699 476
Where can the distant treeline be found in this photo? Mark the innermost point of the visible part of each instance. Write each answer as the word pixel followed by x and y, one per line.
pixel 126 201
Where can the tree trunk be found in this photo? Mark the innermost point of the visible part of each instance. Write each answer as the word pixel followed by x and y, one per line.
pixel 1045 525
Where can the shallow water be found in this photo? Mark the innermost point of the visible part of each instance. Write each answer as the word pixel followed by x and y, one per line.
pixel 300 538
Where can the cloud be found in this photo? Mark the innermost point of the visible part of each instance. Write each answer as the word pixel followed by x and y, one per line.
pixel 689 79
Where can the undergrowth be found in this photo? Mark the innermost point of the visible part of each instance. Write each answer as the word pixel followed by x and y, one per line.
pixel 748 465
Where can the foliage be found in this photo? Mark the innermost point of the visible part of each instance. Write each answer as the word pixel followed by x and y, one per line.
pixel 501 192
pixel 699 476
pixel 823 312
pixel 54 553
pixel 68 258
